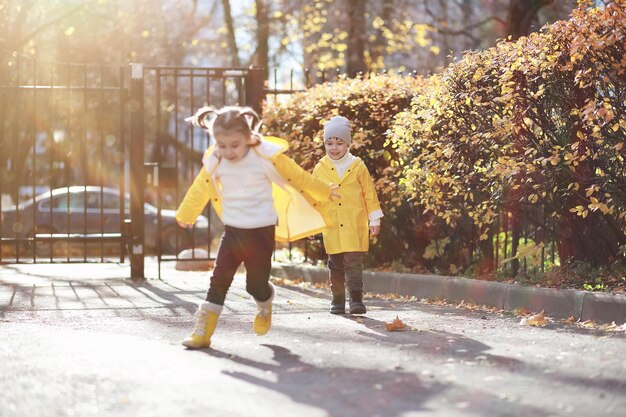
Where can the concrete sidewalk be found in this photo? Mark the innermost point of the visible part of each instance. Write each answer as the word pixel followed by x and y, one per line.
pixel 582 305
pixel 85 340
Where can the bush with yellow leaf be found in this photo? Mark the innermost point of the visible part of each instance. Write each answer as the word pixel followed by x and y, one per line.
pixel 535 127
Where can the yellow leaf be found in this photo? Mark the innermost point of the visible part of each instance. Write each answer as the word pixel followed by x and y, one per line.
pixel 522 311
pixel 396 324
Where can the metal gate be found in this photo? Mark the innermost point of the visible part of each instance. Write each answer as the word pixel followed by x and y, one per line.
pixel 175 148
pixel 86 148
pixel 62 158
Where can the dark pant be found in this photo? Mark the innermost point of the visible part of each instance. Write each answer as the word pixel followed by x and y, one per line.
pixel 254 248
pixel 346 269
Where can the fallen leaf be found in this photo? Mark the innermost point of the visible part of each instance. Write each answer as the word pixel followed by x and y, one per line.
pixel 538 319
pixel 396 324
pixel 522 311
pixel 590 324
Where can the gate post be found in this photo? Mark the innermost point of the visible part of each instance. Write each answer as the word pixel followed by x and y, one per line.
pixel 255 88
pixel 137 178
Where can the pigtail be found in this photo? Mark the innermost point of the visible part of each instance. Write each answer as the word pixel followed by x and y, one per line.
pixel 201 116
pixel 254 122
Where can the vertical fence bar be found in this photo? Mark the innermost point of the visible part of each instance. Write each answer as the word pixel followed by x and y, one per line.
pixel 224 95
pixel 159 248
pixel 176 151
pixel 544 240
pixel 137 171
pixel 275 84
pixel 192 106
pixel 208 142
pixel 525 245
pixel 34 164
pixel 553 241
pixel 497 245
pixel 66 159
pixel 193 143
pixel 14 166
pixel 84 153
pixel 51 156
pixel 102 138
pixel 120 160
pixel 84 145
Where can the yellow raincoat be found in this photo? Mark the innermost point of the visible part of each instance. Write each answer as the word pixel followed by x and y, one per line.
pixel 295 192
pixel 347 218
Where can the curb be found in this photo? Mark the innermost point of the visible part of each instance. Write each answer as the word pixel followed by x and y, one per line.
pixel 582 305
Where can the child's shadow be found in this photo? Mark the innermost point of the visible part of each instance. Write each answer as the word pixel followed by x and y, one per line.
pixel 339 390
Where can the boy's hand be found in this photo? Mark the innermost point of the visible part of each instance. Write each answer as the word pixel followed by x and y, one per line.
pixel 184 225
pixel 334 195
pixel 374 230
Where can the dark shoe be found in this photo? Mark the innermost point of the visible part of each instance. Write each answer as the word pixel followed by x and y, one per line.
pixel 356 303
pixel 338 305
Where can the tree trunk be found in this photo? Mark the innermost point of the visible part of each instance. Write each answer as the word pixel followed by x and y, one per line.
pixel 523 17
pixel 230 28
pixel 262 34
pixel 356 37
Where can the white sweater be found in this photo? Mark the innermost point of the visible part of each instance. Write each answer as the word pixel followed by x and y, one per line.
pixel 246 191
pixel 343 163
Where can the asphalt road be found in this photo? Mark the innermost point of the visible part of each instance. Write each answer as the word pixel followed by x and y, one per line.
pixel 81 340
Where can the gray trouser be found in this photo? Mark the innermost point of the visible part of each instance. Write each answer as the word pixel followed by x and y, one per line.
pixel 346 269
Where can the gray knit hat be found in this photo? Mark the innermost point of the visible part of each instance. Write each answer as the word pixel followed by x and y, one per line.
pixel 338 127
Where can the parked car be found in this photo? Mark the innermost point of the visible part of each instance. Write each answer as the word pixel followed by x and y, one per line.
pixel 85 210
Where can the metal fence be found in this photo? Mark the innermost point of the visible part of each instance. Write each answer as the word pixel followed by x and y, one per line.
pixel 174 148
pixel 74 138
pixel 62 152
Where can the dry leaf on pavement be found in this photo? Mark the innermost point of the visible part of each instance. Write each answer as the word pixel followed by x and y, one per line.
pixel 522 311
pixel 396 324
pixel 538 319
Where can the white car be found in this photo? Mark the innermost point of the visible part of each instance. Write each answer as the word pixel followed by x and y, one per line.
pixel 90 210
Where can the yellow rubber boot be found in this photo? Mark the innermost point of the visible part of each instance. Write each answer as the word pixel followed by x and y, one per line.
pixel 263 318
pixel 206 321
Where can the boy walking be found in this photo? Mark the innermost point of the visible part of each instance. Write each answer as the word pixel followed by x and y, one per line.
pixel 351 220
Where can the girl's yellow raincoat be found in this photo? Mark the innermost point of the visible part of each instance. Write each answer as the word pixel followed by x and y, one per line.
pixel 292 189
pixel 347 218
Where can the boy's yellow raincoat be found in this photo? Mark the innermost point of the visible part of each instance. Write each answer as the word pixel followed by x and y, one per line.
pixel 347 217
pixel 292 189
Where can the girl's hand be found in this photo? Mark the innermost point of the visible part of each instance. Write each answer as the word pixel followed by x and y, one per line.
pixel 374 230
pixel 334 195
pixel 184 225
